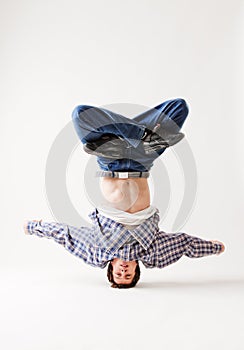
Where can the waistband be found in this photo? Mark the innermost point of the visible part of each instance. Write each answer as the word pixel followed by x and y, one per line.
pixel 123 175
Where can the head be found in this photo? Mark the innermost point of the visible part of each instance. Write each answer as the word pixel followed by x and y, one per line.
pixel 123 274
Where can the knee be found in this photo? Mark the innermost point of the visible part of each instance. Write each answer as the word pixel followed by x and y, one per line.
pixel 77 112
pixel 183 105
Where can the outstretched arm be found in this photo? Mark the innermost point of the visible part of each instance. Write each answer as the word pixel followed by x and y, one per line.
pixel 171 247
pixel 197 247
pixel 74 239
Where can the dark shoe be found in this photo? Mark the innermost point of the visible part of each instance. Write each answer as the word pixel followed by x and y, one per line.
pixel 108 146
pixel 153 142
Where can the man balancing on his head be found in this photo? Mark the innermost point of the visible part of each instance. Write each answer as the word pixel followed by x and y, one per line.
pixel 125 228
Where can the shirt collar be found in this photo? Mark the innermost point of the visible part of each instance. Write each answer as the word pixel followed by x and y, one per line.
pixel 145 233
pixel 113 235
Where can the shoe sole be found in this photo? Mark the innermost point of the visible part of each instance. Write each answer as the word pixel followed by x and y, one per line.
pixel 165 144
pixel 101 154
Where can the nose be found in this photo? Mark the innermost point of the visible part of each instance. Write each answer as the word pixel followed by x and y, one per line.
pixel 123 269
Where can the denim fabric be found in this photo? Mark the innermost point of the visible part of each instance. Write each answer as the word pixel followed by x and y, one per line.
pixel 91 123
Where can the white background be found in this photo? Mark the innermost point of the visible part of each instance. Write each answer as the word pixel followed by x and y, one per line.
pixel 58 54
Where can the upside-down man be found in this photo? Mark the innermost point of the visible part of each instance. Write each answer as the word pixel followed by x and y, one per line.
pixel 125 228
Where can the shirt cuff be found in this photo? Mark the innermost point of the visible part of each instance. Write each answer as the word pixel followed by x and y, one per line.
pixel 217 248
pixel 33 226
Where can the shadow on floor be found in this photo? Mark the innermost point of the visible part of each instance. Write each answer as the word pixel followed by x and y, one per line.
pixel 224 283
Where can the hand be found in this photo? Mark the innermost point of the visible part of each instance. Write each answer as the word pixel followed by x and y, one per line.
pixel 222 246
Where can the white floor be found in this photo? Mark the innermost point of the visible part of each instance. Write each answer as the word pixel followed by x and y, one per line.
pixel 76 309
pixel 57 55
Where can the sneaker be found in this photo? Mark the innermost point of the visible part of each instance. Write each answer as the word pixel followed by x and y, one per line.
pixel 108 146
pixel 153 142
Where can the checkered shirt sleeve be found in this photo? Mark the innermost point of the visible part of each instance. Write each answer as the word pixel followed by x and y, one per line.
pixel 77 240
pixel 171 247
pixel 107 240
pixel 197 247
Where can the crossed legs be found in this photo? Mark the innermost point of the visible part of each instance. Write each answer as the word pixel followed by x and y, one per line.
pixel 125 135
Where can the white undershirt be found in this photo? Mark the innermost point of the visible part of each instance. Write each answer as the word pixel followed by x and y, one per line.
pixel 125 218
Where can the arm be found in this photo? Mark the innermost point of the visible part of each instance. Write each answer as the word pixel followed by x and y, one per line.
pixel 197 247
pixel 73 239
pixel 170 247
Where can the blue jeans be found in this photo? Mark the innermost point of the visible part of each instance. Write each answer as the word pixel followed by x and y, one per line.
pixel 91 123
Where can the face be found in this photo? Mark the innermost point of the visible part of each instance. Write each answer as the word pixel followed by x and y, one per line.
pixel 123 271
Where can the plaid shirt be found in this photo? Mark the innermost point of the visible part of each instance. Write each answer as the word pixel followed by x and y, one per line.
pixel 108 239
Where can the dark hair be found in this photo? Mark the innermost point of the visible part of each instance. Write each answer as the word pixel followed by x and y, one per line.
pixel 129 285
